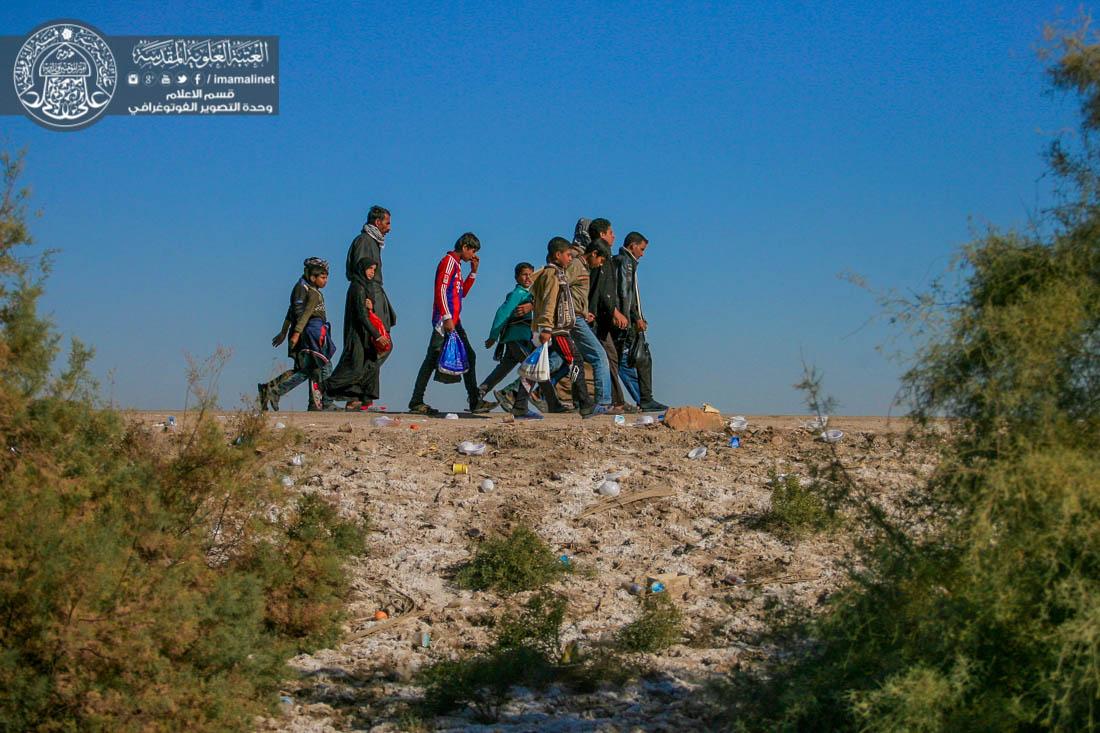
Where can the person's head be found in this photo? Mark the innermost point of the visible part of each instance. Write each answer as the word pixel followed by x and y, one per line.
pixel 596 253
pixel 379 216
pixel 368 267
pixel 467 246
pixel 635 243
pixel 601 229
pixel 316 271
pixel 559 252
pixel 581 237
pixel 525 273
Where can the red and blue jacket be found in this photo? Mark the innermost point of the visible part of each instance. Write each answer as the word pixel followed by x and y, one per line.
pixel 449 290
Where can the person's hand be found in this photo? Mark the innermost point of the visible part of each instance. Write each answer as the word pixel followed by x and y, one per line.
pixel 385 342
pixel 590 317
pixel 294 338
pixel 544 337
pixel 619 320
pixel 279 338
pixel 523 309
pixel 370 304
pixel 489 343
pixel 449 325
pixel 640 324
pixel 475 262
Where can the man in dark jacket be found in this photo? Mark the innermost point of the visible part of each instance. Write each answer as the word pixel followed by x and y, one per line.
pixel 635 363
pixel 369 244
pixel 603 305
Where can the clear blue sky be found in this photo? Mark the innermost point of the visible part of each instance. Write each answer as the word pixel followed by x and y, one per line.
pixel 763 148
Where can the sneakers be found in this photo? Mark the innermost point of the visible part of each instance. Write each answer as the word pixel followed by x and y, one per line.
pixel 483 406
pixel 505 399
pixel 626 409
pixel 595 411
pixel 529 415
pixel 263 398
pixel 539 402
pixel 613 409
pixel 652 406
pixel 423 409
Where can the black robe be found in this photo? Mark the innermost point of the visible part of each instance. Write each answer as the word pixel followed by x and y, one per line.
pixel 356 377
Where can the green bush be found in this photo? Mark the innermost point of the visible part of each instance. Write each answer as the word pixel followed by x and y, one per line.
pixel 975 606
pixel 146 581
pixel 659 625
pixel 795 510
pixel 521 561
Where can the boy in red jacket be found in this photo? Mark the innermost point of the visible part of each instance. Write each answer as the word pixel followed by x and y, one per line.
pixel 450 289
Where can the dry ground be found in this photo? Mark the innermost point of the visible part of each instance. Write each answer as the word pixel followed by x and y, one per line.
pixel 425 522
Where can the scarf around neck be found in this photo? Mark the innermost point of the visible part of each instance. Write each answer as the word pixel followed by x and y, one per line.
pixel 376 235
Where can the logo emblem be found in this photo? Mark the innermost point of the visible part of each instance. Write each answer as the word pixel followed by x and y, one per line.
pixel 65 75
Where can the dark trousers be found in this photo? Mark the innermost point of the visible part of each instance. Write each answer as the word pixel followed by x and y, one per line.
pixel 431 359
pixel 512 355
pixel 603 334
pixel 638 379
pixel 572 366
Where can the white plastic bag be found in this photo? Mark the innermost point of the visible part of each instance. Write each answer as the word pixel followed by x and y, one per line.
pixel 536 367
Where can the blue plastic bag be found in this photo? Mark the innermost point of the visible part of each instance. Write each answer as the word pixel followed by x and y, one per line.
pixel 536 367
pixel 452 359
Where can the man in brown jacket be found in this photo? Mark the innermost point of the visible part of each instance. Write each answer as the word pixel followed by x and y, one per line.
pixel 554 318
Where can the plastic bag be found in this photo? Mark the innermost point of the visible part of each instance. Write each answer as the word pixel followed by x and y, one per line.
pixel 452 359
pixel 639 355
pixel 536 367
pixel 382 344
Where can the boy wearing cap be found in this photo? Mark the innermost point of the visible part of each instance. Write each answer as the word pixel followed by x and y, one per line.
pixel 310 343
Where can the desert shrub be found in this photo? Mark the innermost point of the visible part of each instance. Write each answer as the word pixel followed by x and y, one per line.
pixel 795 510
pixel 146 581
pixel 521 561
pixel 659 625
pixel 975 607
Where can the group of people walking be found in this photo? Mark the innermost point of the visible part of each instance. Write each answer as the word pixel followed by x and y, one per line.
pixel 584 304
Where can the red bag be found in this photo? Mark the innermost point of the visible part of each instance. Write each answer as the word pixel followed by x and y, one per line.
pixel 382 344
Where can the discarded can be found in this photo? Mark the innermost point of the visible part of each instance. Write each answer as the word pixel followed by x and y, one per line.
pixel 459 468
pixel 656 587
pixel 425 639
pixel 171 421
pixel 620 419
pixel 735 442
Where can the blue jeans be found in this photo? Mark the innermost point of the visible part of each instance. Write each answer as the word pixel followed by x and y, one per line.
pixel 629 377
pixel 595 355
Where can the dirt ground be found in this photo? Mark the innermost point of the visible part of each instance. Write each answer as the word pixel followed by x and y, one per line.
pixel 699 523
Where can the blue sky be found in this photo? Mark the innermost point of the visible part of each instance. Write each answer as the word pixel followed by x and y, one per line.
pixel 763 148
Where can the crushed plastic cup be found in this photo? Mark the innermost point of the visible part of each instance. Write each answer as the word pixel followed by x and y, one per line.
pixel 735 441
pixel 280 426
pixel 470 448
pixel 644 420
pixel 565 560
pixel 832 436
pixel 382 421
pixel 697 453
pixel 297 459
pixel 487 485
pixel 610 488
pixel 656 587
pixel 451 416
pixel 287 481
pixel 620 419
pixel 817 423
pixel 738 423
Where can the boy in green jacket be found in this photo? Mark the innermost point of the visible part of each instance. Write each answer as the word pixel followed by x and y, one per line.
pixel 513 333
